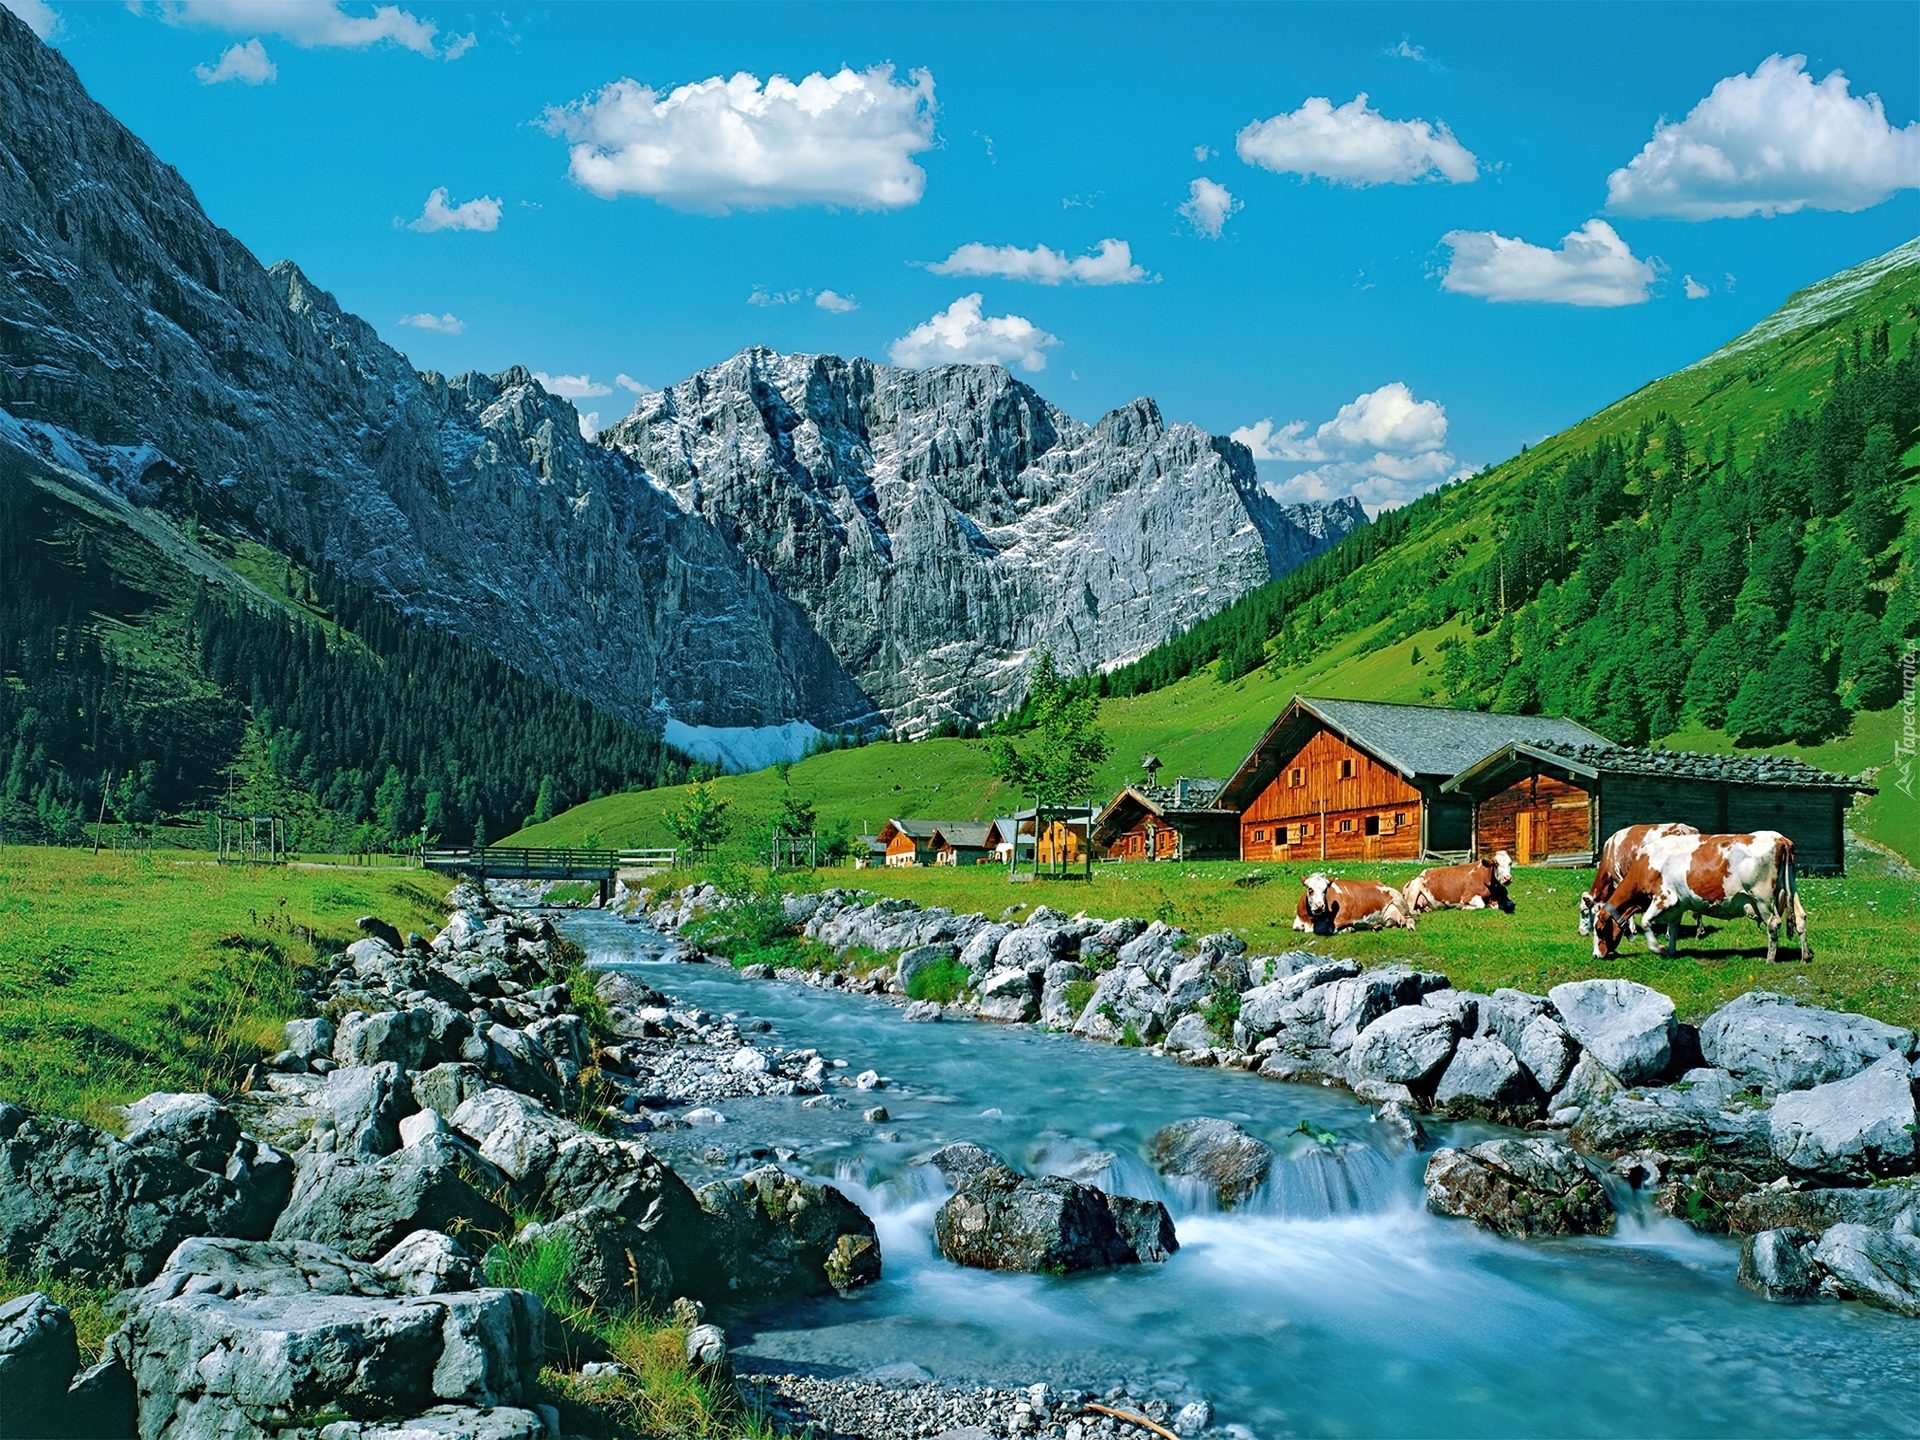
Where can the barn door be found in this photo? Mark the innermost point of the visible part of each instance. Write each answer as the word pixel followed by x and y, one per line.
pixel 1523 837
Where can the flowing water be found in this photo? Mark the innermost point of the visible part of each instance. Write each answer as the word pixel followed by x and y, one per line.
pixel 1332 1304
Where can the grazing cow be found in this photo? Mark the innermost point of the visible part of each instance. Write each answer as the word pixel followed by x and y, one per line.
pixel 1330 905
pixel 1478 886
pixel 1720 875
pixel 1616 858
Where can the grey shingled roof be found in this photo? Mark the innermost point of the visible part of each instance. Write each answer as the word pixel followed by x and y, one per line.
pixel 965 834
pixel 1437 740
pixel 1200 794
pixel 1694 765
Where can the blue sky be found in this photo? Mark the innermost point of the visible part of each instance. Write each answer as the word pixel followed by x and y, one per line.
pixel 320 132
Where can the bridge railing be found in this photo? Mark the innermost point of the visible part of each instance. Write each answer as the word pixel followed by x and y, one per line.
pixel 663 857
pixel 510 860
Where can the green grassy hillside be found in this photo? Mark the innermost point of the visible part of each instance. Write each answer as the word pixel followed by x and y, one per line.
pixel 1416 620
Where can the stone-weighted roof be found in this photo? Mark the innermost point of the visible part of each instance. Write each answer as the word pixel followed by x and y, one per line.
pixel 1200 794
pixel 1695 765
pixel 1438 740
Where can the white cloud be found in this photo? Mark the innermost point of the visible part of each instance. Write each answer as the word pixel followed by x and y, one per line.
pixel 1770 143
pixel 589 423
pixel 310 24
pixel 837 303
pixel 246 62
pixel 40 17
pixel 1407 50
pixel 440 324
pixel 1385 446
pixel 1593 267
pixel 1355 145
pixel 1695 290
pixel 847 139
pixel 1208 207
pixel 1111 264
pixel 459 45
pixel 481 214
pixel 1729 282
pixel 959 335
pixel 571 387
pixel 638 387
pixel 1203 153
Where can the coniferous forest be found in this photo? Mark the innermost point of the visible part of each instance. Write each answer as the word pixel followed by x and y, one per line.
pixel 1642 585
pixel 364 729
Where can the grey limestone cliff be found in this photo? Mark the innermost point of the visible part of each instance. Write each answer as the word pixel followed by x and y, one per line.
pixel 775 539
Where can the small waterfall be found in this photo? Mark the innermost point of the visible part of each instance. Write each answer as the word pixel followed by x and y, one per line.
pixel 1330 1183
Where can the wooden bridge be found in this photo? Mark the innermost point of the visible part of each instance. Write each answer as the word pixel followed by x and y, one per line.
pixel 520 862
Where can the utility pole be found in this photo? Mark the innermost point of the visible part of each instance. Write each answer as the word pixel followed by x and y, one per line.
pixel 99 823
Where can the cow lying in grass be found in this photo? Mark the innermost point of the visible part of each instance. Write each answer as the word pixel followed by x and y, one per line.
pixel 1328 906
pixel 1724 876
pixel 1623 847
pixel 1481 885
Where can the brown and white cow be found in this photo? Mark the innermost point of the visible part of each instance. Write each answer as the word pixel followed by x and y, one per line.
pixel 1623 847
pixel 1725 876
pixel 1330 905
pixel 1481 885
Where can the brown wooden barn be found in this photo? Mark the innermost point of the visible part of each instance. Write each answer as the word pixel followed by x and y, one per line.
pixel 1167 822
pixel 1362 780
pixel 963 842
pixel 1561 801
pixel 909 842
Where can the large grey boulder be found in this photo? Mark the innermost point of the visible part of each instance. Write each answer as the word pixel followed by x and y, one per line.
pixel 1881 1267
pixel 1190 1034
pixel 1260 1007
pixel 38 1357
pixel 1815 1210
pixel 1034 946
pixel 401 1036
pixel 1217 1154
pixel 1779 1265
pixel 513 1131
pixel 429 1262
pixel 368 1102
pixel 771 1235
pixel 520 1062
pixel 998 1220
pixel 1629 1027
pixel 310 1039
pixel 1124 999
pixel 1406 1046
pixel 445 1088
pixel 1587 1084
pixel 977 954
pixel 1704 1107
pixel 1860 1126
pixel 1520 1188
pixel 565 1039
pixel 1483 1079
pixel 1462 1005
pixel 1772 1040
pixel 447 1422
pixel 1008 995
pixel 1507 1012
pixel 75 1200
pixel 232 1337
pixel 1056 1004
pixel 1547 1052
pixel 364 1205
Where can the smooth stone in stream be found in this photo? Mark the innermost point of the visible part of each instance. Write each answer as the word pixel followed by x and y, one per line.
pixel 1520 1188
pixel 961 1161
pixel 998 1220
pixel 1219 1154
pixel 770 1234
pixel 1881 1207
pixel 1881 1267
pixel 1778 1265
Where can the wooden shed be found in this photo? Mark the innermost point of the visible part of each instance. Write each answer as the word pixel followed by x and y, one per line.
pixel 909 842
pixel 1167 822
pixel 1362 779
pixel 1515 794
pixel 963 842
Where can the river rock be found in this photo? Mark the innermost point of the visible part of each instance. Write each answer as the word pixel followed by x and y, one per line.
pixel 1860 1126
pixel 1008 995
pixel 1405 1046
pixel 977 954
pixel 1260 1007
pixel 919 958
pixel 310 1039
pixel 1628 1026
pixel 519 1062
pixel 364 1205
pixel 771 1234
pixel 1881 1267
pixel 445 1088
pixel 232 1336
pixel 565 1039
pixel 1034 946
pixel 428 1262
pixel 1462 1005
pixel 1124 999
pixel 1401 1127
pixel 1482 1079
pixel 1882 1207
pixel 961 1161
pixel 1704 1107
pixel 999 1220
pixel 1220 1155
pixel 920 1012
pixel 1520 1188
pixel 368 1103
pixel 513 1131
pixel 1547 1052
pixel 1779 1265
pixel 1588 1083
pixel 1189 1034
pixel 38 1357
pixel 76 1200
pixel 448 1422
pixel 401 1036
pixel 1508 1012
pixel 1773 1041
pixel 1056 1006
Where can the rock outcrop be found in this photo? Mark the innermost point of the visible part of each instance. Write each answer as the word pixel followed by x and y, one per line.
pixel 775 539
pixel 1520 1188
pixel 999 1220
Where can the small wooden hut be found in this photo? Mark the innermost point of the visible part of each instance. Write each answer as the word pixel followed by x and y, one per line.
pixel 1167 822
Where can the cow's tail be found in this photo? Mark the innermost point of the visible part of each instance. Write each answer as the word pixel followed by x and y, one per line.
pixel 1786 897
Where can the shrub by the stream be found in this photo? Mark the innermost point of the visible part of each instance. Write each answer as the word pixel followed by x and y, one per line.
pixel 1222 1008
pixel 940 982
pixel 86 1302
pixel 1079 992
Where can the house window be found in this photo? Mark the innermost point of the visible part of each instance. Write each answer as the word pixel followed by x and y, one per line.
pixel 1305 831
pixel 1259 837
pixel 1346 826
pixel 1399 818
pixel 1346 769
pixel 1373 824
pixel 1296 777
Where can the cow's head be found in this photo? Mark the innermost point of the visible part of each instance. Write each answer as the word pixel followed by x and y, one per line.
pixel 1319 903
pixel 1587 904
pixel 1502 868
pixel 1609 928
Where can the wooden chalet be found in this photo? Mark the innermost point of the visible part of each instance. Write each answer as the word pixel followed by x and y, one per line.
pixel 1062 840
pixel 1167 822
pixel 1002 836
pixel 1542 801
pixel 909 842
pixel 963 842
pixel 1363 780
